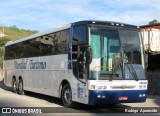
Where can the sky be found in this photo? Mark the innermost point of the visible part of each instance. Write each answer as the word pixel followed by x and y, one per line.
pixel 45 14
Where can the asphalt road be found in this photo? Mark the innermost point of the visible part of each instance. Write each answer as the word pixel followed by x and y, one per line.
pixel 51 105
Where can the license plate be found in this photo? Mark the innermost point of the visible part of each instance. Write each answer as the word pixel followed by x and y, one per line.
pixel 123 98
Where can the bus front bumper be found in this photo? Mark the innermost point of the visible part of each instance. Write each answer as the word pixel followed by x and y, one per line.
pixel 116 96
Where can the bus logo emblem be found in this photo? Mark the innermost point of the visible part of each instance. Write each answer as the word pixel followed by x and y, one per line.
pixel 123 87
pixel 127 76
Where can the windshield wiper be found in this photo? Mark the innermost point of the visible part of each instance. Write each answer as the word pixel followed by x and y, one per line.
pixel 132 70
pixel 111 76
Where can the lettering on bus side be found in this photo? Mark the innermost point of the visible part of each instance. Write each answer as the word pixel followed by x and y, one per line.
pixel 37 65
pixel 21 65
pixel 32 64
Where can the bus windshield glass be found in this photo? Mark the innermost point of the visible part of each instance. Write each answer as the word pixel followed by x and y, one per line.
pixel 116 54
pixel 131 46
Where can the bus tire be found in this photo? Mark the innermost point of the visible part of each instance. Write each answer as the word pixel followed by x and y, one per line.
pixel 14 86
pixel 20 87
pixel 67 96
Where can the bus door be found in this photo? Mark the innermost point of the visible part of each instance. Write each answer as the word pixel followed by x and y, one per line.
pixel 82 73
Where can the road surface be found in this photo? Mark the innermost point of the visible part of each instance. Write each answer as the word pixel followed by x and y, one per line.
pixel 47 104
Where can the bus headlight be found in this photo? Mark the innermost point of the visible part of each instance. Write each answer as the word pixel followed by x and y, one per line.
pixel 142 86
pixel 102 87
pixel 99 87
pixel 93 87
pixel 101 96
pixel 142 95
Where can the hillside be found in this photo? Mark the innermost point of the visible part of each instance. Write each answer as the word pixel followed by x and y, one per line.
pixel 12 33
pixel 15 33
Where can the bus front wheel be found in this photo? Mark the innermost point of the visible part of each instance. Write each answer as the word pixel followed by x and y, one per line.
pixel 67 96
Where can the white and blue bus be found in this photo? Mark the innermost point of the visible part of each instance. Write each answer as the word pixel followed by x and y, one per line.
pixel 89 62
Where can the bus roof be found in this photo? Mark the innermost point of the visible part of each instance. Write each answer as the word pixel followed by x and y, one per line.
pixel 108 23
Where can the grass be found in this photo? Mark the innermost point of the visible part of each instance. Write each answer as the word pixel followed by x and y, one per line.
pixel 12 33
pixel 15 33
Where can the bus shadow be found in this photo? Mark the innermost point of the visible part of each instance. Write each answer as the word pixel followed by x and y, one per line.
pixel 35 95
pixel 101 108
pixel 79 108
pixel 156 99
pixel 50 99
pixel 3 86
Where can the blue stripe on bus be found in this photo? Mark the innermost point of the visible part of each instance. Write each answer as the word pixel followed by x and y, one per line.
pixel 112 97
pixel 70 47
pixel 69 60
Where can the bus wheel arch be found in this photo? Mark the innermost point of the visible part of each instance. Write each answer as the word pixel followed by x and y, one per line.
pixel 20 78
pixel 66 94
pixel 63 83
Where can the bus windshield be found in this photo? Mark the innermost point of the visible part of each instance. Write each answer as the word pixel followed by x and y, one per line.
pixel 116 54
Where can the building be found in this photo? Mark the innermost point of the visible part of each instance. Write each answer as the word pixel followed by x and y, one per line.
pixel 151 41
pixel 154 26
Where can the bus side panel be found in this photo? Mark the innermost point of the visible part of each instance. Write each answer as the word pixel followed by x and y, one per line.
pixel 52 83
pixel 45 82
pixel 8 73
pixel 8 77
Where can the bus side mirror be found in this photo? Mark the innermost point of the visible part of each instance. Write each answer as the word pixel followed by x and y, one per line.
pixel 116 61
pixel 89 56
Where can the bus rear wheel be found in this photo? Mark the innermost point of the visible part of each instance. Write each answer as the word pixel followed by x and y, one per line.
pixel 20 87
pixel 67 96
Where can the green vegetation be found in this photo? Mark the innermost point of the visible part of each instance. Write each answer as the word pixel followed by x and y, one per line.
pixel 15 33
pixel 155 21
pixel 12 33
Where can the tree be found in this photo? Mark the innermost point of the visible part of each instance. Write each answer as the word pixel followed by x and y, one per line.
pixel 3 41
pixel 153 22
pixel 14 26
